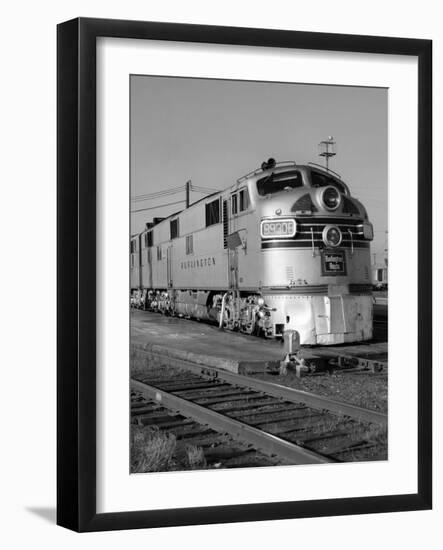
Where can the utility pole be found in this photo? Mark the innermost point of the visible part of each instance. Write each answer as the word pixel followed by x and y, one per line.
pixel 327 149
pixel 188 192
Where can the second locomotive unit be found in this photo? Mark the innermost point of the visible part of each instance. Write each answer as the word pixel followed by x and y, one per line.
pixel 284 247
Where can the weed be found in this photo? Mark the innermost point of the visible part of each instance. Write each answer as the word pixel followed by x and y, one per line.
pixel 152 450
pixel 195 457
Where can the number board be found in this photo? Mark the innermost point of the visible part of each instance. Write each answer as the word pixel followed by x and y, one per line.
pixel 333 262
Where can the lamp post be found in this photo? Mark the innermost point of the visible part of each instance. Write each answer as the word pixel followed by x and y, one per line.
pixel 327 149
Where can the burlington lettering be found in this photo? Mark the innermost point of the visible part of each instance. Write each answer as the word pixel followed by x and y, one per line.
pixel 202 262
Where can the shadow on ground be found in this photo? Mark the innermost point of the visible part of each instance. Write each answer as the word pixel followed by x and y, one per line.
pixel 48 514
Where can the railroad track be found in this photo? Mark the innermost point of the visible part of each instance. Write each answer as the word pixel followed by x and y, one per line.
pixel 219 449
pixel 287 425
pixel 360 357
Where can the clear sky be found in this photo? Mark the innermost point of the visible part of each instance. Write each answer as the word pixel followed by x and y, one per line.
pixel 214 131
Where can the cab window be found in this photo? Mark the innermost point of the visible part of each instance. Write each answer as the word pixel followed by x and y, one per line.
pixel 234 203
pixel 244 199
pixel 323 180
pixel 274 183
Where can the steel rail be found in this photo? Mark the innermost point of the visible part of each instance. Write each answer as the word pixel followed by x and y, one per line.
pixel 276 390
pixel 266 442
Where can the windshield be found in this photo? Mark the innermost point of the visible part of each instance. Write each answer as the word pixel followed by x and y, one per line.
pixel 322 180
pixel 273 183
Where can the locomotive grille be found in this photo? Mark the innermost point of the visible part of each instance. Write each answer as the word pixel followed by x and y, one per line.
pixel 225 224
pixel 310 231
pixel 304 203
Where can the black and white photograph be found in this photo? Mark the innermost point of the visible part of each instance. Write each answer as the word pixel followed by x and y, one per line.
pixel 221 275
pixel 258 258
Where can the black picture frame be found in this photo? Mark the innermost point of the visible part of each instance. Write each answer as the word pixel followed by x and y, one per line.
pixel 76 280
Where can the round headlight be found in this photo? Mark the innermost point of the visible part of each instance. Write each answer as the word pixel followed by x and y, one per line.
pixel 331 197
pixel 332 235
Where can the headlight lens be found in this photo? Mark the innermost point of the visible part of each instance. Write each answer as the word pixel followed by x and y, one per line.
pixel 332 235
pixel 280 228
pixel 331 198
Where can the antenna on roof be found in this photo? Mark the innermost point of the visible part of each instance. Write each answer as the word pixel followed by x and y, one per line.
pixel 327 148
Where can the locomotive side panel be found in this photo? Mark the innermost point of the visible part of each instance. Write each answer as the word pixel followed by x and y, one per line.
pixel 245 261
pixel 146 256
pixel 162 268
pixel 198 262
pixel 135 262
pixel 250 261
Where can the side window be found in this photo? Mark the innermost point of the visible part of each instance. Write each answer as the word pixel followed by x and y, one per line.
pixel 234 203
pixel 213 212
pixel 244 200
pixel 174 228
pixel 159 252
pixel 190 244
pixel 133 247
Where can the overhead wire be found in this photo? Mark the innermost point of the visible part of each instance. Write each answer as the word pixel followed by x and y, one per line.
pixel 158 194
pixel 158 206
pixel 201 189
pixel 168 192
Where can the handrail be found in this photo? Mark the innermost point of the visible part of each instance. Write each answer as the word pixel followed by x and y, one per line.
pixel 258 170
pixel 352 241
pixel 312 242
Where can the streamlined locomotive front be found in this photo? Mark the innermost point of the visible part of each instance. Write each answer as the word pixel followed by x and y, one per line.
pixel 315 256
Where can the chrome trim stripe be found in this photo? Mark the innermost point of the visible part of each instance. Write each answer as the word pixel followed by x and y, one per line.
pixel 331 221
pixel 308 244
pixel 320 231
pixel 307 290
pixel 317 241
pixel 308 219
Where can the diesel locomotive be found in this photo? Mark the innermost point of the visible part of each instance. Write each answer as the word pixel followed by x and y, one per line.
pixel 285 247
